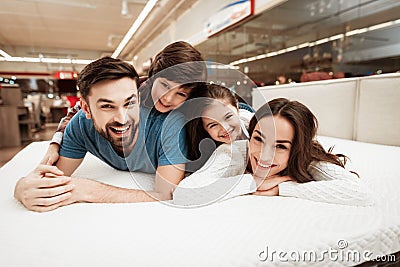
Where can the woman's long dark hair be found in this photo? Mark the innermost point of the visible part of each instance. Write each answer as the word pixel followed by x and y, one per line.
pixel 305 148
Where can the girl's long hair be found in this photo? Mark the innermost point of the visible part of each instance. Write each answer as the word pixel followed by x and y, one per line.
pixel 200 143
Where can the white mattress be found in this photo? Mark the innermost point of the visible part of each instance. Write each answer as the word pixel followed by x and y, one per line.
pixel 234 232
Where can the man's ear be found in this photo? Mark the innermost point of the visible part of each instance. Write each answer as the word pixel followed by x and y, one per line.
pixel 86 109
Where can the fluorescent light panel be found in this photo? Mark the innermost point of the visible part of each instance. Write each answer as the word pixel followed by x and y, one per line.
pixel 135 26
pixel 4 54
pixel 46 60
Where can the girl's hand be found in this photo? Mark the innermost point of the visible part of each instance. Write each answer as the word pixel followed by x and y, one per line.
pixel 52 155
pixel 270 185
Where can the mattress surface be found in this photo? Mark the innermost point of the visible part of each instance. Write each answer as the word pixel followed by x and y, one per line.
pixel 242 231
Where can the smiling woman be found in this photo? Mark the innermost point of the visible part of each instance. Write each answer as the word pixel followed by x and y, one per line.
pixel 285 130
pixel 268 152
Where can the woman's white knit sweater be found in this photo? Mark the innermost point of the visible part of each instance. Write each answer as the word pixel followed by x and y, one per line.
pixel 224 176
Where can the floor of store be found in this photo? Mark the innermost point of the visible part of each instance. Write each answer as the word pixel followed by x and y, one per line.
pixel 8 153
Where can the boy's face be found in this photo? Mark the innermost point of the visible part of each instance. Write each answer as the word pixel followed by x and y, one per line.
pixel 113 105
pixel 168 95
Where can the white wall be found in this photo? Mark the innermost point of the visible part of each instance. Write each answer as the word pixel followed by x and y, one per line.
pixel 364 109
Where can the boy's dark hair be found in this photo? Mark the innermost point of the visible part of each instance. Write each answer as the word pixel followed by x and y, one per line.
pixel 179 62
pixel 175 54
pixel 105 68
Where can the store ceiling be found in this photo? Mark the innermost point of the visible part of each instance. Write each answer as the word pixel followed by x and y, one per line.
pixel 71 28
pixel 46 26
pixel 74 28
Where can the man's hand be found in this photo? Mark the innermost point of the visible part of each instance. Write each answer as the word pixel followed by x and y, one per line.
pixel 43 189
pixel 52 154
pixel 270 185
pixel 83 189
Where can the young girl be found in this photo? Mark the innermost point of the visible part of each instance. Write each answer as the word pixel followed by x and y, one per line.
pixel 282 158
pixel 216 118
pixel 170 83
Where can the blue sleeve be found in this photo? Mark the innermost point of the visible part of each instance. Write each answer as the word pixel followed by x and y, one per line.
pixel 246 107
pixel 73 145
pixel 173 140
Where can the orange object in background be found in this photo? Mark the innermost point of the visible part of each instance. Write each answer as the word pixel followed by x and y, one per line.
pixel 319 76
pixel 315 76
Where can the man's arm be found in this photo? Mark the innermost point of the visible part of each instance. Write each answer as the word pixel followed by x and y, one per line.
pixel 46 188
pixel 87 190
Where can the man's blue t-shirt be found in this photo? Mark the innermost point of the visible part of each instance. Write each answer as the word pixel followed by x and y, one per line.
pixel 161 141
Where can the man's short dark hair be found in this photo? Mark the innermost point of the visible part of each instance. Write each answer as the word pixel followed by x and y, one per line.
pixel 105 68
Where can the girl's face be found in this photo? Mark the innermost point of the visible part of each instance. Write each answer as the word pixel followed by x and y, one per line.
pixel 221 121
pixel 168 95
pixel 270 146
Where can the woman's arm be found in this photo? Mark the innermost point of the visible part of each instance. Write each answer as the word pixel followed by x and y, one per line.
pixel 333 184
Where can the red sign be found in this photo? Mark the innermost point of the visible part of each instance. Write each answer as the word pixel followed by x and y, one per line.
pixel 61 75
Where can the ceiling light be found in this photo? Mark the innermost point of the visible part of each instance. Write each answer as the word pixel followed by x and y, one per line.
pixel 321 41
pixel 109 42
pixel 303 45
pixel 135 26
pixel 81 61
pixel 4 54
pixel 46 60
pixel 380 26
pixel 64 3
pixel 335 37
pixel 357 31
pixel 124 8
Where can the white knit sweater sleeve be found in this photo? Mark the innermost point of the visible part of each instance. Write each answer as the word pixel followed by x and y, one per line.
pixel 222 177
pixel 333 184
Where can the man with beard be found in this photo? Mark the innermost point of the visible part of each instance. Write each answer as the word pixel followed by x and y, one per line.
pixel 115 128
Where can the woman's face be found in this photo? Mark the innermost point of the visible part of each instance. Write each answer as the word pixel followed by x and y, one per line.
pixel 221 121
pixel 168 95
pixel 270 146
